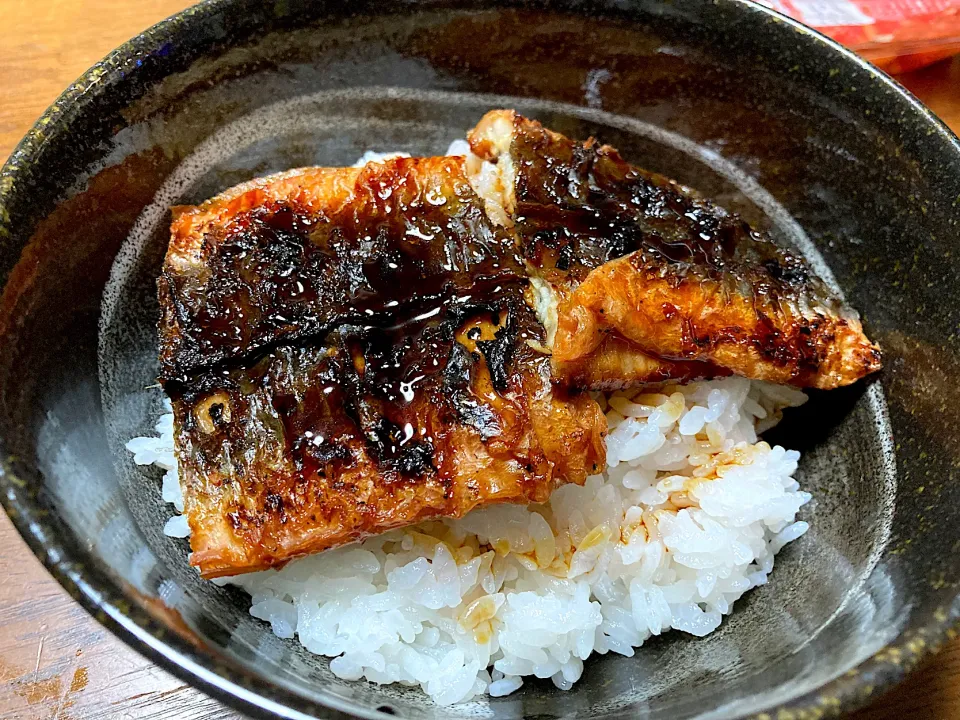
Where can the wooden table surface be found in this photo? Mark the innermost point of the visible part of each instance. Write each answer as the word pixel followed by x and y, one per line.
pixel 55 660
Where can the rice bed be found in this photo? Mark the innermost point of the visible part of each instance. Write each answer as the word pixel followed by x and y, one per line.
pixel 687 517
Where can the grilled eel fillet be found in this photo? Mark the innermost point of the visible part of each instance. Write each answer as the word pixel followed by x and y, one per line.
pixel 348 351
pixel 637 279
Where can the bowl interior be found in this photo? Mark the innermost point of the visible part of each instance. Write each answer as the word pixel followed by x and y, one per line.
pixel 685 91
pixel 847 457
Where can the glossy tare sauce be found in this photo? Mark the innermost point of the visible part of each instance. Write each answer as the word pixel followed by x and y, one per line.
pixel 350 350
pixel 303 253
pixel 649 280
pixel 350 354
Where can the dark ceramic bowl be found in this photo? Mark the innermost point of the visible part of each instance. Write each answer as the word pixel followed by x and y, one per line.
pixel 771 119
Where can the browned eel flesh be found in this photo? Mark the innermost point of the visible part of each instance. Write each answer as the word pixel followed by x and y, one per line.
pixel 639 279
pixel 349 351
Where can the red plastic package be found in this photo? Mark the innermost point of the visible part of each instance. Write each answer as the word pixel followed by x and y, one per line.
pixel 896 35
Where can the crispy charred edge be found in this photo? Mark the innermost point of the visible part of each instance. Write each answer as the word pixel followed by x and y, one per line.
pixel 766 335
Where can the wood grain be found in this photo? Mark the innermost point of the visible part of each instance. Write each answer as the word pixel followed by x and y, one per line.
pixel 56 661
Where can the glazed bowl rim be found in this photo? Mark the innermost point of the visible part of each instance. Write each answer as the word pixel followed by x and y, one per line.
pixel 105 598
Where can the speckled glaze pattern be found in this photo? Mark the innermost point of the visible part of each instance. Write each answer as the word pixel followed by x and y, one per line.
pixel 769 118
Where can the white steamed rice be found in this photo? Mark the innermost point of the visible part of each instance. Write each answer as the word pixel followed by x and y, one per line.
pixel 687 517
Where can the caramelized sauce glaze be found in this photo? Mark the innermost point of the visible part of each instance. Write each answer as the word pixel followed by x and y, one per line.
pixel 397 385
pixel 672 275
